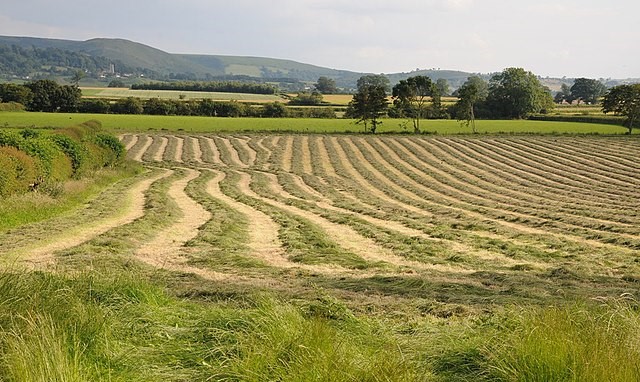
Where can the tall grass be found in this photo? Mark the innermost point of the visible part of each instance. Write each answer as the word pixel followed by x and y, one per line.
pixel 580 342
pixel 118 327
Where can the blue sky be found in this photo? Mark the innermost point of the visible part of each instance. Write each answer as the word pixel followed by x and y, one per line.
pixel 586 38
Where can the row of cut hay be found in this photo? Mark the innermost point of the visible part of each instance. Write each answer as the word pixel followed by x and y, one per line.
pixel 42 159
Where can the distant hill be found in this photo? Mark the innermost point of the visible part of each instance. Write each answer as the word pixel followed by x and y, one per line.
pixel 190 66
pixel 128 56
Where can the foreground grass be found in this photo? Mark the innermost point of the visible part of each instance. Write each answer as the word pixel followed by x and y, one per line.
pixel 125 325
pixel 144 123
pixel 122 327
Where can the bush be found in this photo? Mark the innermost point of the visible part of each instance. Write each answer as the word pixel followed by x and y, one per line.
pixel 10 139
pixel 12 106
pixel 95 106
pixel 77 153
pixel 115 149
pixel 53 163
pixel 17 171
pixel 8 175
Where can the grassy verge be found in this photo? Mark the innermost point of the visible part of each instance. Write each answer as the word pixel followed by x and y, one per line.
pixel 33 207
pixel 142 123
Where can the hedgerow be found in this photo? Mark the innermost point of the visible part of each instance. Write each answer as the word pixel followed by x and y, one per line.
pixel 39 159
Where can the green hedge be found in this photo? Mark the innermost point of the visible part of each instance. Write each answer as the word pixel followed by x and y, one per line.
pixel 18 171
pixel 55 156
pixel 610 120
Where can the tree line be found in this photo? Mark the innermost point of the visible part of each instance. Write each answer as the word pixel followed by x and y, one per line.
pixel 212 86
pixel 513 93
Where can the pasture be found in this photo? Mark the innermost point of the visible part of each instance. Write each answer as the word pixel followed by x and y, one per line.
pixel 144 123
pixel 349 257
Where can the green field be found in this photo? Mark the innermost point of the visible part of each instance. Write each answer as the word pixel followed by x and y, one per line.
pixel 140 123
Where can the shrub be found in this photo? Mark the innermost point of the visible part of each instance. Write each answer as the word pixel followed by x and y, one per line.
pixel 12 106
pixel 115 148
pixel 10 139
pixel 94 106
pixel 8 175
pixel 54 164
pixel 17 171
pixel 76 152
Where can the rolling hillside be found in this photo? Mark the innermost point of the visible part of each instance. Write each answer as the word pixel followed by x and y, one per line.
pixel 159 64
pixel 141 56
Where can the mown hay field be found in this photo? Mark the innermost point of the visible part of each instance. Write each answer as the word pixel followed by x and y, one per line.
pixel 470 221
pixel 425 236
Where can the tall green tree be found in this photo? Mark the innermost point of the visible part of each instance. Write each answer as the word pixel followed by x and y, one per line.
pixel 48 96
pixel 564 94
pixel 375 79
pixel 15 93
pixel 587 90
pixel 474 91
pixel 443 87
pixel 368 105
pixel 516 93
pixel 326 85
pixel 624 100
pixel 77 76
pixel 411 97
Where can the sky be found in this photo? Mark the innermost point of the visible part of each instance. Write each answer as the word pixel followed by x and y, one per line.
pixel 586 38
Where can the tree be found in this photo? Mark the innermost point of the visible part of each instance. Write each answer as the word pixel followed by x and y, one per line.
pixel 587 90
pixel 326 85
pixel 117 84
pixel 274 110
pixel 564 94
pixel 129 105
pixel 624 100
pixel 516 93
pixel 15 93
pixel 472 92
pixel 443 87
pixel 375 79
pixel 48 96
pixel 307 99
pixel 66 98
pixel 368 104
pixel 43 98
pixel 77 76
pixel 410 97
